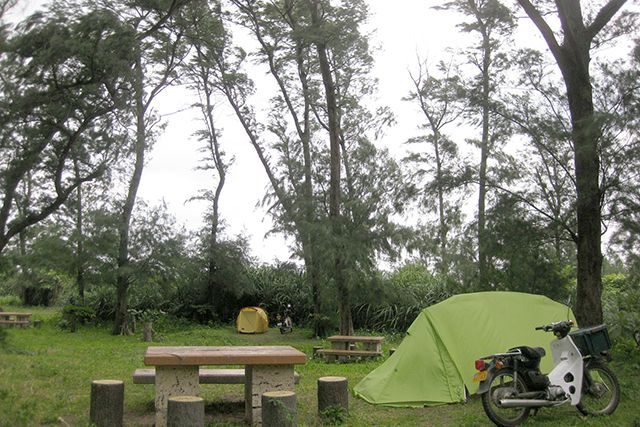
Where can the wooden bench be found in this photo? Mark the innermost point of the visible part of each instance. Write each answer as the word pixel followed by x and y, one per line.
pixel 346 346
pixel 266 368
pixel 341 352
pixel 19 320
pixel 207 376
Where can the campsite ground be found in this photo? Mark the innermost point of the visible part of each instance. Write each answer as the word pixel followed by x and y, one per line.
pixel 45 378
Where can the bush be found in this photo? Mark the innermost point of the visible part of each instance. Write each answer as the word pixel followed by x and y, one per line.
pixel 280 285
pixel 621 305
pixel 103 301
pixel 74 315
pixel 10 300
pixel 401 297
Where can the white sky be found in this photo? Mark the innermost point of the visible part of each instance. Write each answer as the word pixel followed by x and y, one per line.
pixel 404 30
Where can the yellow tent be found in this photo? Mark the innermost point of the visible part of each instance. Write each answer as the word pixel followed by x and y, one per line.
pixel 252 320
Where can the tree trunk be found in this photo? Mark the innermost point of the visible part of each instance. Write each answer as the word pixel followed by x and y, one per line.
pixel 573 58
pixel 124 273
pixel 334 183
pixel 485 148
pixel 80 282
pixel 585 135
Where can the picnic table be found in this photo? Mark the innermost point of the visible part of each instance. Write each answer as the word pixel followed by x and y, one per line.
pixel 343 346
pixel 21 320
pixel 267 368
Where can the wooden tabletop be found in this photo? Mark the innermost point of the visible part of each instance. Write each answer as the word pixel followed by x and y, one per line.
pixel 12 313
pixel 355 338
pixel 227 355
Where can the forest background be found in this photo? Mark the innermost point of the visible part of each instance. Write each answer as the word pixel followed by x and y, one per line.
pixel 523 152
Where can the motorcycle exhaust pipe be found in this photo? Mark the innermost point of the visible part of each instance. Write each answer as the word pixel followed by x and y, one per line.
pixel 525 403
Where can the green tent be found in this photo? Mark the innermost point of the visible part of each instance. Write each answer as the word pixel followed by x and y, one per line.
pixel 435 361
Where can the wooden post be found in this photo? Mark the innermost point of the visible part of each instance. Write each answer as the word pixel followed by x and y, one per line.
pixel 279 409
pixel 333 395
pixel 185 411
pixel 107 403
pixel 147 332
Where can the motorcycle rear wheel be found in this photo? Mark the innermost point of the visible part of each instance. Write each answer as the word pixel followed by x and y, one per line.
pixel 600 390
pixel 502 386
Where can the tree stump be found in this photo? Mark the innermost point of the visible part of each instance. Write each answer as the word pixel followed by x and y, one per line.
pixel 107 403
pixel 333 397
pixel 279 409
pixel 185 411
pixel 37 323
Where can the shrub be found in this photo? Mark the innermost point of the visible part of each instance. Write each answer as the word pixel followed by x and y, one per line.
pixel 103 301
pixel 401 297
pixel 74 315
pixel 621 305
pixel 10 300
pixel 280 285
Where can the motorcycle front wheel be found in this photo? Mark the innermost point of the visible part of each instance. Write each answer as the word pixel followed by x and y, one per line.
pixel 503 386
pixel 600 390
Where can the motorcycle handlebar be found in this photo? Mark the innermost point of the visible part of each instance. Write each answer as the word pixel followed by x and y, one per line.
pixel 553 326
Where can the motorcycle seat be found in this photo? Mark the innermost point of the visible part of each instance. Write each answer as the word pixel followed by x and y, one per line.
pixel 532 353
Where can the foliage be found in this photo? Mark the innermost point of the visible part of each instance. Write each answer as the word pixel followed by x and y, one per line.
pixel 64 75
pixel 279 285
pixel 521 257
pixel 621 305
pixel 75 315
pixel 334 415
pixel 9 300
pixel 102 300
pixel 400 298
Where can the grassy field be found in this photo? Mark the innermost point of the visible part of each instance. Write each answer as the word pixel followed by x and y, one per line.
pixel 45 377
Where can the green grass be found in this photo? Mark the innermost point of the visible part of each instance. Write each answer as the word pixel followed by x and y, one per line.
pixel 46 374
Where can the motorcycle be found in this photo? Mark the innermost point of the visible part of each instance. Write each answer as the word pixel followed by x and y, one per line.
pixel 512 385
pixel 285 324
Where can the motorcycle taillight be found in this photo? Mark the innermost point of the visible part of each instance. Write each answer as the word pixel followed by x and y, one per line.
pixel 481 365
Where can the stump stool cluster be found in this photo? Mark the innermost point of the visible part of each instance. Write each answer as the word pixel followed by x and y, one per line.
pixel 278 407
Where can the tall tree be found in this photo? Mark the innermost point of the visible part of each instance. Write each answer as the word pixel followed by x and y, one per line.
pixel 298 161
pixel 335 215
pixel 573 57
pixel 64 76
pixel 158 53
pixel 439 170
pixel 493 23
pixel 204 31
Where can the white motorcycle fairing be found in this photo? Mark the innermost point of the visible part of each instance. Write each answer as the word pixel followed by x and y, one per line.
pixel 568 369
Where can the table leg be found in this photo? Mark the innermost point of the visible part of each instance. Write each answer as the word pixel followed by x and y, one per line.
pixel 260 379
pixel 174 381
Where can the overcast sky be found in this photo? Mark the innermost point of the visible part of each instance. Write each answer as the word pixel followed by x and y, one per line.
pixel 404 30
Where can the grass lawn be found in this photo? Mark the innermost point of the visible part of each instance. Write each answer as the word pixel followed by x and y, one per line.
pixel 46 374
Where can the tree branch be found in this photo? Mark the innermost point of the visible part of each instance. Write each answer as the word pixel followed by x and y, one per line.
pixel 604 16
pixel 544 28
